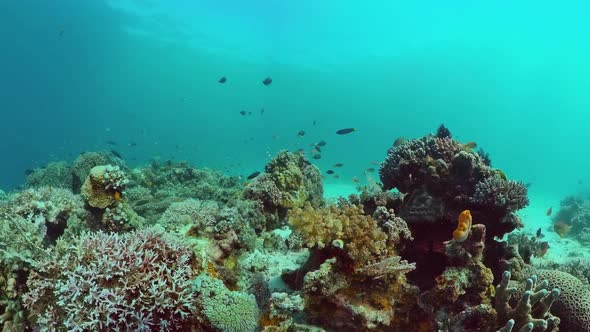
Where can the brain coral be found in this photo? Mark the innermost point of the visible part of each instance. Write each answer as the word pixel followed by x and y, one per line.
pixel 225 310
pixel 573 306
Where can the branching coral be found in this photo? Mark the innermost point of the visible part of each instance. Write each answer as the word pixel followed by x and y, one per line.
pixel 55 174
pixel 135 281
pixel 531 311
pixel 497 192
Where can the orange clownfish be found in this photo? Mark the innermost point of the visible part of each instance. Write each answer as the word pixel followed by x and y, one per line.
pixel 463 226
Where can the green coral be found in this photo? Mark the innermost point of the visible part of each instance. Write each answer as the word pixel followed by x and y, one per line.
pixel 225 310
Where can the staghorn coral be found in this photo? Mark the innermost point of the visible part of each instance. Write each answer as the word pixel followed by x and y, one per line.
pixel 135 281
pixel 54 209
pixel 495 192
pixel 222 309
pixel 55 174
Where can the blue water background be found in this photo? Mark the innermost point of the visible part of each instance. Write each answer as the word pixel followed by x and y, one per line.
pixel 512 77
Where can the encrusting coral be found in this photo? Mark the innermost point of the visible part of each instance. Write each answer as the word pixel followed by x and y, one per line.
pixel 104 186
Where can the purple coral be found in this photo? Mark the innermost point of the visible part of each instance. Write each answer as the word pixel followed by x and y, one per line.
pixel 138 281
pixel 500 193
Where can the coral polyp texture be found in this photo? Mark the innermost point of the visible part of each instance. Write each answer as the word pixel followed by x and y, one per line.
pixel 104 186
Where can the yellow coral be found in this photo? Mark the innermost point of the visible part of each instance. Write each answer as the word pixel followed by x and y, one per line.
pixel 93 189
pixel 363 240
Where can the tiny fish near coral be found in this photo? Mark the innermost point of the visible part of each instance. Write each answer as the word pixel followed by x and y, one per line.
pixel 463 226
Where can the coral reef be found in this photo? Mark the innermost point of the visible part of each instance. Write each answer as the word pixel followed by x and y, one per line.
pixel 531 311
pixel 104 186
pixel 135 281
pixel 223 309
pixel 88 160
pixel 289 181
pixel 573 305
pixel 52 209
pixel 574 217
pixel 55 174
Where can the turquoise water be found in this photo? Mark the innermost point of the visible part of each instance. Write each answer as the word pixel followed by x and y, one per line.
pixel 512 77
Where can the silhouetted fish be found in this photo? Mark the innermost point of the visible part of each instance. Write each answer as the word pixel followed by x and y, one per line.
pixel 345 131
pixel 29 171
pixel 329 171
pixel 242 112
pixel 267 81
pixel 317 156
pixel 301 133
pixel 314 122
pixel 549 211
pixel 261 111
pixel 322 143
pixel 222 80
pixel 253 175
pixel 111 143
pixel 399 141
pixel 338 165
pixel 116 154
pixel 540 234
pixel 370 170
pixel 132 144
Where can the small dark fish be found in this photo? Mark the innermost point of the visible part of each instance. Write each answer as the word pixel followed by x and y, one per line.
pixel 111 143
pixel 370 170
pixel 242 112
pixel 267 81
pixel 338 165
pixel 116 154
pixel 300 151
pixel 132 144
pixel 329 171
pixel 61 32
pixel 549 211
pixel 250 113
pixel 540 234
pixel 528 185
pixel 399 141
pixel 373 162
pixel 321 143
pixel 317 148
pixel 301 133
pixel 317 156
pixel 261 111
pixel 253 175
pixel 222 80
pixel 29 171
pixel 355 179
pixel 314 122
pixel 345 131
pixel 336 176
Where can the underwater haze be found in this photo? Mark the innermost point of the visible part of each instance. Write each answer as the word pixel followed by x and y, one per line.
pixel 511 76
pixel 303 165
